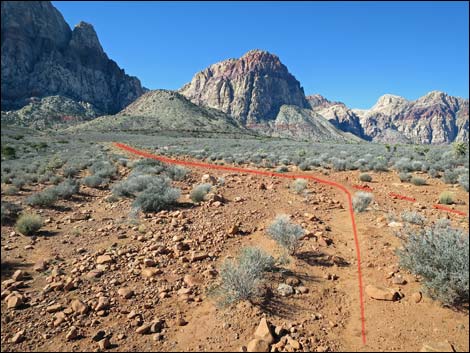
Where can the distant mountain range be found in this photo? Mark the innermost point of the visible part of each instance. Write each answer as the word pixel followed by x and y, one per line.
pixel 52 75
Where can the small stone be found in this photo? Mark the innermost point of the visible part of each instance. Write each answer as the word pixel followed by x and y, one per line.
pixel 79 307
pixel 126 293
pixel 292 281
pixel 144 329
pixel 149 263
pixel 103 304
pixel 257 345
pixel 233 229
pixel 59 318
pixel 302 289
pixel 72 334
pixel 285 290
pixel 382 293
pixel 18 337
pixel 54 308
pixel 104 344
pixel 293 343
pixel 442 346
pixel 99 336
pixel 104 259
pixel 18 275
pixel 398 279
pixel 417 297
pixel 181 322
pixel 149 272
pixel 263 332
pixel 14 301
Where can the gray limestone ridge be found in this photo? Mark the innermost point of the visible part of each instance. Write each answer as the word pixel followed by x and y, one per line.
pixel 42 56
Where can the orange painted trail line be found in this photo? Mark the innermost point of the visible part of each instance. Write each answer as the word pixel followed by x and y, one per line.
pixel 440 207
pixel 397 196
pixel 279 175
pixel 360 187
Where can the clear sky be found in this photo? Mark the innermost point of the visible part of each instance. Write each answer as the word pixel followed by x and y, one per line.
pixel 348 51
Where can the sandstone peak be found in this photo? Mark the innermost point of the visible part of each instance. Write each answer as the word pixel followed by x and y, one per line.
pixel 251 88
pixel 84 36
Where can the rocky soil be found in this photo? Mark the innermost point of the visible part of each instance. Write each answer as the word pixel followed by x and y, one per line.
pixel 94 279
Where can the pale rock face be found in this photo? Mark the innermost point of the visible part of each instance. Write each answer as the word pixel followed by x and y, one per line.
pixel 435 118
pixel 337 114
pixel 252 89
pixel 42 56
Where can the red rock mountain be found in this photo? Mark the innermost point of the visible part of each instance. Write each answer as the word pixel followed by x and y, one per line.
pixel 252 89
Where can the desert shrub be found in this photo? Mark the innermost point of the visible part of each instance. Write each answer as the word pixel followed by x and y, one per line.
pixel 361 200
pixel 299 185
pixel 459 149
pixel 338 164
pixel 9 211
pixel 45 177
pixel 70 171
pixel 103 169
pixel 286 233
pixel 463 181
pixel 304 166
pixel 199 192
pixel 55 179
pixel 45 198
pixel 19 182
pixel 405 177
pixel 28 224
pixel 404 165
pixel 282 169
pixel 450 176
pixel 220 181
pixel 446 198
pixel 418 181
pixel 8 152
pixel 10 190
pixel 160 195
pixel 365 177
pixel 148 166
pixel 55 163
pixel 134 184
pixel 440 255
pixel 175 172
pixel 433 173
pixel 67 188
pixel 93 181
pixel 241 278
pixel 413 218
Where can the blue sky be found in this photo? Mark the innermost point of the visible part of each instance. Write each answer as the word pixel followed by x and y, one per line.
pixel 348 51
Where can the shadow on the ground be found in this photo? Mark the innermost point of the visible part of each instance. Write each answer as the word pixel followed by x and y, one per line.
pixel 273 305
pixel 9 267
pixel 317 258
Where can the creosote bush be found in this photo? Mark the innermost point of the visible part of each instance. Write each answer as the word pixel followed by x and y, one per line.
pixel 365 178
pixel 45 198
pixel 299 185
pixel 9 212
pixel 361 200
pixel 418 181
pixel 160 195
pixel 241 278
pixel 28 224
pixel 446 198
pixel 413 218
pixel 286 233
pixel 440 255
pixel 199 192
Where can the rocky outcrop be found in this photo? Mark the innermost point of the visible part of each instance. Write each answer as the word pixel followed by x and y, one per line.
pixel 337 114
pixel 435 118
pixel 252 89
pixel 301 123
pixel 50 112
pixel 164 110
pixel 42 56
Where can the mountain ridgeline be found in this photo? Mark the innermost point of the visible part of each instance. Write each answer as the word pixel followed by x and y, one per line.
pixel 53 77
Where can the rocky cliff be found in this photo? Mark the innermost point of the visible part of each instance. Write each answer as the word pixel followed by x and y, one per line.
pixel 252 88
pixel 435 118
pixel 42 56
pixel 337 113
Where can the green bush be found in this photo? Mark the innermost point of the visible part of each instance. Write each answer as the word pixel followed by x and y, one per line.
pixel 286 233
pixel 418 181
pixel 365 178
pixel 9 211
pixel 361 201
pixel 199 192
pixel 93 181
pixel 405 177
pixel 157 197
pixel 67 188
pixel 299 185
pixel 439 254
pixel 45 198
pixel 446 198
pixel 241 278
pixel 28 224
